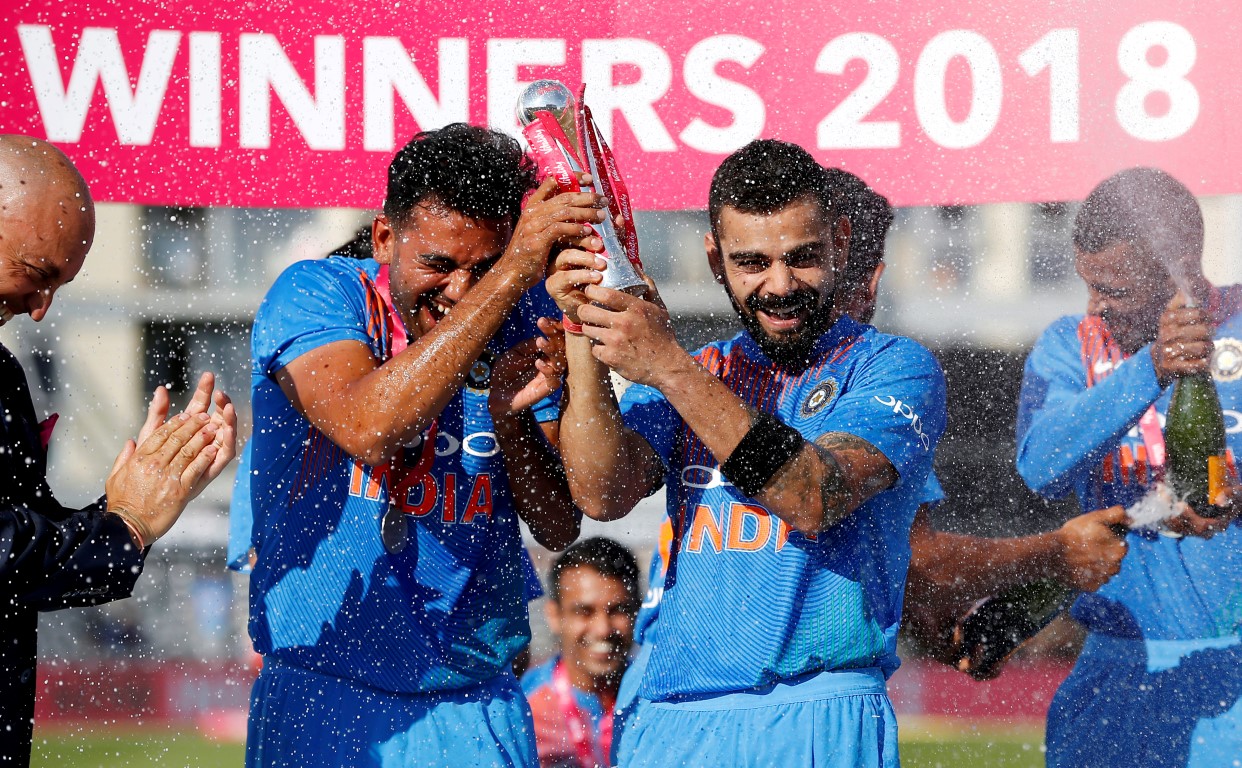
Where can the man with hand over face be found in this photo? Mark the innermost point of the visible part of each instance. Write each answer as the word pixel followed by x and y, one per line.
pixel 794 454
pixel 395 449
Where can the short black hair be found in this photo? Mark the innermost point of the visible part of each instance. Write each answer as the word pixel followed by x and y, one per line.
pixel 870 216
pixel 765 176
pixel 607 557
pixel 1145 207
pixel 477 172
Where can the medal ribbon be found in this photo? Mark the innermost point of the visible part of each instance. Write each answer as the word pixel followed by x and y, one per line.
pixel 579 733
pixel 1100 355
pixel 399 483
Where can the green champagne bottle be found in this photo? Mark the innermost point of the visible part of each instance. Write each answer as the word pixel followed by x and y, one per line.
pixel 1194 436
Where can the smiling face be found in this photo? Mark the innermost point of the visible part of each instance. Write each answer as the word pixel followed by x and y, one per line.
pixel 435 257
pixel 1128 290
pixel 47 223
pixel 594 622
pixel 779 270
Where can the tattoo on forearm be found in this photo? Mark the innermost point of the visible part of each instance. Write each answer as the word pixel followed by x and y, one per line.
pixel 878 473
pixel 851 470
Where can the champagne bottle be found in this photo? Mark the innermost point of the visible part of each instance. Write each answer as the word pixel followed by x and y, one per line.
pixel 996 626
pixel 1194 436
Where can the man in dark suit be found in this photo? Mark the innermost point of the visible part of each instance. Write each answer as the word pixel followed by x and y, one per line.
pixel 51 556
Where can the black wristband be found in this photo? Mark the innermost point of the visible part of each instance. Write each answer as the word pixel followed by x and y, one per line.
pixel 768 446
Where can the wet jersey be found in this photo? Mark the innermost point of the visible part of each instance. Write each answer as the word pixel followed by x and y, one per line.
pixel 746 600
pixel 432 598
pixel 1087 439
pixel 933 493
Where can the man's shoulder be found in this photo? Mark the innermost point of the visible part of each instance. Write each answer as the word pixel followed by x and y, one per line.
pixel 1061 331
pixel 7 358
pixel 538 677
pixel 875 347
pixel 720 346
pixel 299 276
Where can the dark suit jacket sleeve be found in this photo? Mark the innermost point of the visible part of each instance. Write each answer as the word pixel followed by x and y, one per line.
pixel 83 558
pixel 51 556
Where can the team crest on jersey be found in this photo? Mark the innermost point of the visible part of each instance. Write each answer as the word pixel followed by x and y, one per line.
pixel 480 374
pixel 823 394
pixel 1227 360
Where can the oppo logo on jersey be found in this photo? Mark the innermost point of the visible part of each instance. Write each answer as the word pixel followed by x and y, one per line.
pixel 703 478
pixel 906 412
pixel 481 444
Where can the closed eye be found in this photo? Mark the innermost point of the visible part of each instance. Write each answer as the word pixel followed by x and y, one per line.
pixel 438 263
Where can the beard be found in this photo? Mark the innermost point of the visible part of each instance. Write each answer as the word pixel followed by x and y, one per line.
pixel 790 350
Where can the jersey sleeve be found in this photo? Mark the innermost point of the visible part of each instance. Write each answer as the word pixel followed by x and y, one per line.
pixel 241 515
pixel 896 402
pixel 648 412
pixel 308 306
pixel 1066 427
pixel 933 493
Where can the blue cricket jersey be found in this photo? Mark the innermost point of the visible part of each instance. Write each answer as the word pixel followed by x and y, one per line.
pixel 1072 437
pixel 746 600
pixel 449 609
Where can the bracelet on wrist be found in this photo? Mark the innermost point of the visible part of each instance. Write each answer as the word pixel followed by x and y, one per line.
pixel 766 447
pixel 134 533
pixel 570 326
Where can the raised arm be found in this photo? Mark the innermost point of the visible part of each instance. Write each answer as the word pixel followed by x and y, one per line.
pixel 609 467
pixel 814 483
pixel 55 557
pixel 371 409
pixel 523 376
pixel 1065 427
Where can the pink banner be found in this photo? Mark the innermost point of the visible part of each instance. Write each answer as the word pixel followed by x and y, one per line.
pixel 302 103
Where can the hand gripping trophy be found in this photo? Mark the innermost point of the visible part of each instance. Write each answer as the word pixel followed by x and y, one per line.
pixel 564 141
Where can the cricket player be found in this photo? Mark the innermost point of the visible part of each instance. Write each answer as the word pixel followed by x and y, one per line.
pixel 395 447
pixel 1159 682
pixel 795 455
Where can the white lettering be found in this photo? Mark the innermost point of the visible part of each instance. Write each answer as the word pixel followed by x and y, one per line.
pixel 265 69
pixel 451 444
pixel 1057 52
pixel 469 444
pixel 699 75
pixel 635 101
pixel 482 444
pixel 1167 77
pixel 846 126
pixel 504 57
pixel 98 59
pixel 388 69
pixel 985 95
pixel 204 89
pixel 906 412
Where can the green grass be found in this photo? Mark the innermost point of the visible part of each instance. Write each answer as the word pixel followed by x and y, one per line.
pixel 937 747
pixel 130 749
pixel 973 751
